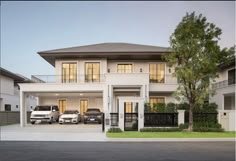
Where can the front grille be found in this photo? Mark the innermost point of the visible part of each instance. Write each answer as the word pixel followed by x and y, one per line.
pixel 39 115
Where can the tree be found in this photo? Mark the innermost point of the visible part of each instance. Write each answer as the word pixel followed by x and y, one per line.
pixel 195 57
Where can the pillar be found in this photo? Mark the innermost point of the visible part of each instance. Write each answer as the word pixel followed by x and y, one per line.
pixel 23 111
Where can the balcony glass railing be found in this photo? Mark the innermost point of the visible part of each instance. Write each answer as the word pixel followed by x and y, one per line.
pixel 68 79
pixel 224 83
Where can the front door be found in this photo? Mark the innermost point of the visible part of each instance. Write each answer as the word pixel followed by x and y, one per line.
pixel 130 116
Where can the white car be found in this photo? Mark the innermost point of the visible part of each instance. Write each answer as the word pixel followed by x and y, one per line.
pixel 70 116
pixel 45 113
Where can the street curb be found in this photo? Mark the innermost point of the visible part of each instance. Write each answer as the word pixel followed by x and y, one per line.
pixel 170 139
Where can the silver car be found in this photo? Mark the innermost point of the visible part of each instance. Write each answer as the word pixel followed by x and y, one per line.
pixel 70 116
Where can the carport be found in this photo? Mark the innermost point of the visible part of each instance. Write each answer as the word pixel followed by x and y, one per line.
pixel 68 96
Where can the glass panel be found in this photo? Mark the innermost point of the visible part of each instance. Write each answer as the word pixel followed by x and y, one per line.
pixel 157 73
pixel 62 105
pixel 153 100
pixel 92 72
pixel 231 76
pixel 69 73
pixel 128 107
pixel 83 106
pixel 124 68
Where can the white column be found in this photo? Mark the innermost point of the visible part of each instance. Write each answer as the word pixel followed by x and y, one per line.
pixel 23 114
pixel 105 107
pixel 121 114
pixel 180 116
pixel 140 114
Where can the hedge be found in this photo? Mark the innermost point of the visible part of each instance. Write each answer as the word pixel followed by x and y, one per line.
pixel 160 129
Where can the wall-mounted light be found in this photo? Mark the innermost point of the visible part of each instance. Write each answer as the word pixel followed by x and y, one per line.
pixel 169 70
pixel 108 70
pixel 141 70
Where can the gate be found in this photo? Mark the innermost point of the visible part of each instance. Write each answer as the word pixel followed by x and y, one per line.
pixel 131 122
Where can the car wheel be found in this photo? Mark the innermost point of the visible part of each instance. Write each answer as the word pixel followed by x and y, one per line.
pixel 50 122
pixel 60 123
pixel 99 122
pixel 32 122
pixel 85 122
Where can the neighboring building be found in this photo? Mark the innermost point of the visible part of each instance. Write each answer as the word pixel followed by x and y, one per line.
pixel 10 91
pixel 225 87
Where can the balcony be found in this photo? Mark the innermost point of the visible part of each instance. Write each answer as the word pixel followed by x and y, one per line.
pixel 68 79
pixel 127 78
pixel 223 84
pixel 163 83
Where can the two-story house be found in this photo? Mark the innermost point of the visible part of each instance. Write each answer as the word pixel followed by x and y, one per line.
pixel 10 92
pixel 115 77
pixel 224 95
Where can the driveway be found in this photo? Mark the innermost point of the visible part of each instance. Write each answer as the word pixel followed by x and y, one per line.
pixel 126 151
pixel 53 132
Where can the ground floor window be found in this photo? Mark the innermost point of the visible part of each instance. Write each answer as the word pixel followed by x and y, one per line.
pixel 128 107
pixel 154 100
pixel 7 107
pixel 83 106
pixel 62 105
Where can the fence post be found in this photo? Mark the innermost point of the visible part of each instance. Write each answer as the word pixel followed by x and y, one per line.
pixel 181 116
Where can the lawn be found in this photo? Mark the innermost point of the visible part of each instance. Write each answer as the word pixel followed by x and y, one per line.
pixel 172 135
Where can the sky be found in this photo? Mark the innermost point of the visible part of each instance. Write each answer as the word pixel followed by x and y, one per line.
pixel 30 27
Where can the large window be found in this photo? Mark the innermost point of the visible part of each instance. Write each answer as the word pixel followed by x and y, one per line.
pixel 153 100
pixel 92 72
pixel 124 68
pixel 157 73
pixel 83 106
pixel 69 73
pixel 231 76
pixel 62 105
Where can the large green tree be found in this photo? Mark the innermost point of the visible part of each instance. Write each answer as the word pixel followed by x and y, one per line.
pixel 195 57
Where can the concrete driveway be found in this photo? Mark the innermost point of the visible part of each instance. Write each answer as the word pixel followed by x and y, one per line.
pixel 53 132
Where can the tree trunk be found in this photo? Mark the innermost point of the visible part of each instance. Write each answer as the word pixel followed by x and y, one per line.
pixel 190 127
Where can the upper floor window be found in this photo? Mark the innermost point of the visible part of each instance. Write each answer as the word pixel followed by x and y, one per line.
pixel 157 73
pixel 69 73
pixel 92 72
pixel 124 68
pixel 231 76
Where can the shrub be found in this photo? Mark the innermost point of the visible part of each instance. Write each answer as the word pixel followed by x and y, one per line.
pixel 207 129
pixel 147 107
pixel 183 106
pixel 183 126
pixel 170 107
pixel 207 125
pixel 114 130
pixel 160 129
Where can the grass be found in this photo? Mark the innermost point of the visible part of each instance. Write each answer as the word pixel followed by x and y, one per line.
pixel 183 134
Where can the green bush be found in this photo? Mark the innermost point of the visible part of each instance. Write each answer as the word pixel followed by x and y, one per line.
pixel 183 126
pixel 170 107
pixel 114 130
pixel 159 107
pixel 147 107
pixel 207 125
pixel 207 129
pixel 160 129
pixel 183 106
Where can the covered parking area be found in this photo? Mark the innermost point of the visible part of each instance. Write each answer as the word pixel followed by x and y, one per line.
pixel 66 97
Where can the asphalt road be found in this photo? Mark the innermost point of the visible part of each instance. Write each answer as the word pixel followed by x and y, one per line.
pixel 113 151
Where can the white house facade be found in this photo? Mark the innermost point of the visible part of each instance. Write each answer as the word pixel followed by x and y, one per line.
pixel 114 77
pixel 10 92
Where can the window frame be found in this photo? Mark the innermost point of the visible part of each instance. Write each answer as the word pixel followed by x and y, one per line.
pixel 132 67
pixel 64 77
pixel 85 73
pixel 156 80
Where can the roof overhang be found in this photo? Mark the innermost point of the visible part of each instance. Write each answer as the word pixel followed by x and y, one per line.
pixel 50 58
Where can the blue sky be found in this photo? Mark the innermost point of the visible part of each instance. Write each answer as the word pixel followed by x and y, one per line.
pixel 29 27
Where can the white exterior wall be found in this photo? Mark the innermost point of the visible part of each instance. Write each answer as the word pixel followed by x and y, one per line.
pixel 73 103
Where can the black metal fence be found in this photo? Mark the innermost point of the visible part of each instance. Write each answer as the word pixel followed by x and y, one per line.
pixel 202 117
pixel 160 119
pixel 114 119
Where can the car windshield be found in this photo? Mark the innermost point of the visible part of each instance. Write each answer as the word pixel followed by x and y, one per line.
pixel 70 112
pixel 42 108
pixel 93 110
